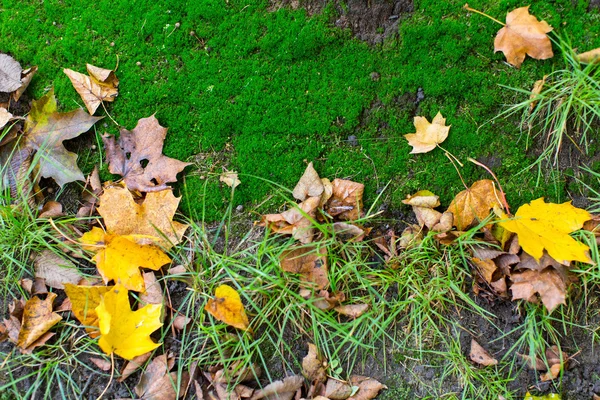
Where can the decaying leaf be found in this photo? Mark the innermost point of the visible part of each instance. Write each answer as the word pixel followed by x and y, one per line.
pixel 337 390
pixel 314 365
pixel 153 293
pixel 541 225
pixel 103 364
pixel 10 74
pixel 152 218
pixel 423 203
pixel 352 310
pixel 137 156
pixel 523 35
pixel 230 178
pixel 26 77
pixel 125 332
pixel 308 261
pixel 535 92
pixel 119 259
pixel 46 129
pixel 5 116
pixel 323 299
pixel 368 388
pixel 590 57
pixel 549 284
pixel 227 307
pixel 56 270
pixel 280 390
pixel 89 196
pixel 133 365
pixel 428 135
pixel 84 300
pixel 51 209
pixel 156 383
pixel 350 232
pixel 101 85
pixel 346 200
pixel 294 221
pixel 474 204
pixel 480 356
pixel 38 318
pixel 309 185
pixel 486 268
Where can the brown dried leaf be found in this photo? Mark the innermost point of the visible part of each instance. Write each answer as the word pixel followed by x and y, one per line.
pixel 51 209
pixel 103 364
pixel 26 77
pixel 474 204
pixel 128 156
pixel 346 200
pixel 337 390
pixel 309 185
pixel 294 221
pixel 589 57
pixel 480 356
pixel 308 261
pixel 153 293
pixel 313 365
pixel 158 384
pixel 38 318
pixel 281 390
pixel 181 321
pixel 133 365
pixel 5 116
pixel 326 301
pixel 485 267
pixel 101 85
pixel 230 178
pixel 349 232
pixel 352 311
pixel 523 35
pixel 10 74
pixel 528 262
pixel 548 283
pixel 368 388
pixel 537 89
pixel 55 270
pixel 423 203
pixel 552 373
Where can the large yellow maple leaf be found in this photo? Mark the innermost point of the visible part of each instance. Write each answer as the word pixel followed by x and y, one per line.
pixel 540 225
pixel 119 258
pixel 154 217
pixel 84 300
pixel 123 331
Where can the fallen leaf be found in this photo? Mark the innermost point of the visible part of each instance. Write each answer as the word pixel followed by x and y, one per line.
pixel 55 270
pixel 5 116
pixel 10 74
pixel 89 196
pixel 26 77
pixel 153 217
pixel 589 57
pixel 137 156
pixel 346 200
pixel 528 262
pixel 352 310
pixel 541 225
pixel 428 135
pixel 295 221
pixel 310 262
pixel 230 178
pixel 125 332
pixel 349 232
pixel 84 300
pixel 368 388
pixel 153 293
pixel 309 185
pixel 133 365
pixel 486 268
pixel 547 283
pixel 46 129
pixel 523 35
pixel 480 356
pixel 552 373
pixel 119 259
pixel 337 390
pixel 423 203
pixel 227 307
pixel 281 390
pixel 15 175
pixel 101 85
pixel 103 364
pixel 474 204
pixel 38 318
pixel 314 365
pixel 156 383
pixel 52 209
pixel 324 300
pixel 181 321
pixel 535 92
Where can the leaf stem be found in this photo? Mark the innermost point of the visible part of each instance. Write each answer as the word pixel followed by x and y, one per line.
pixel 448 154
pixel 466 7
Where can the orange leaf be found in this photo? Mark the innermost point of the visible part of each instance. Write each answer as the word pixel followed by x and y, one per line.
pixel 38 318
pixel 474 204
pixel 227 306
pixel 428 135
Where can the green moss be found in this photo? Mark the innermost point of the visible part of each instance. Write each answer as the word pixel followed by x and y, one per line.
pixel 281 87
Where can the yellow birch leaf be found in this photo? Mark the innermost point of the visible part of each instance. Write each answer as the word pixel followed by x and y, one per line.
pixel 541 225
pixel 227 306
pixel 123 331
pixel 84 300
pixel 428 134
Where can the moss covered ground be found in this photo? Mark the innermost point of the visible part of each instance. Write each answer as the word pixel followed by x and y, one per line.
pixel 264 92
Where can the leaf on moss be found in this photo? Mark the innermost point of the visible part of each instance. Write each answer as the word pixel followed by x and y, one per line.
pixel 309 185
pixel 101 85
pixel 428 135
pixel 345 202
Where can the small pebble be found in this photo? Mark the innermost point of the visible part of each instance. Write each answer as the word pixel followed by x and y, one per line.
pixel 177 25
pixel 138 63
pixel 375 76
pixel 239 208
pixel 420 95
pixel 112 44
pixel 352 140
pixel 50 190
pixel 93 147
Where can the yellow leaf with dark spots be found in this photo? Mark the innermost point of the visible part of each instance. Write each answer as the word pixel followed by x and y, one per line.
pixel 227 307
pixel 38 318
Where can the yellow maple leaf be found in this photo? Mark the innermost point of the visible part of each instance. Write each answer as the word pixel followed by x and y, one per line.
pixel 227 306
pixel 123 331
pixel 541 225
pixel 152 218
pixel 428 135
pixel 84 300
pixel 119 258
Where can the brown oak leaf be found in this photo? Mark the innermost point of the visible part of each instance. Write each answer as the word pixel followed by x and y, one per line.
pixel 137 156
pixel 523 35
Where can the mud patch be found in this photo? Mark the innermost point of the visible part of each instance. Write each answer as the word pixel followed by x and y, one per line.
pixel 370 21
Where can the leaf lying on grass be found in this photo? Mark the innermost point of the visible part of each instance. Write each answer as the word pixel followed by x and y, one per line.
pixel 227 306
pixel 84 300
pixel 38 318
pixel 480 356
pixel 310 262
pixel 158 383
pixel 474 204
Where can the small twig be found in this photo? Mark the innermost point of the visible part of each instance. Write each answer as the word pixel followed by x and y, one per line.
pixel 451 155
pixel 466 7
pixel 112 374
